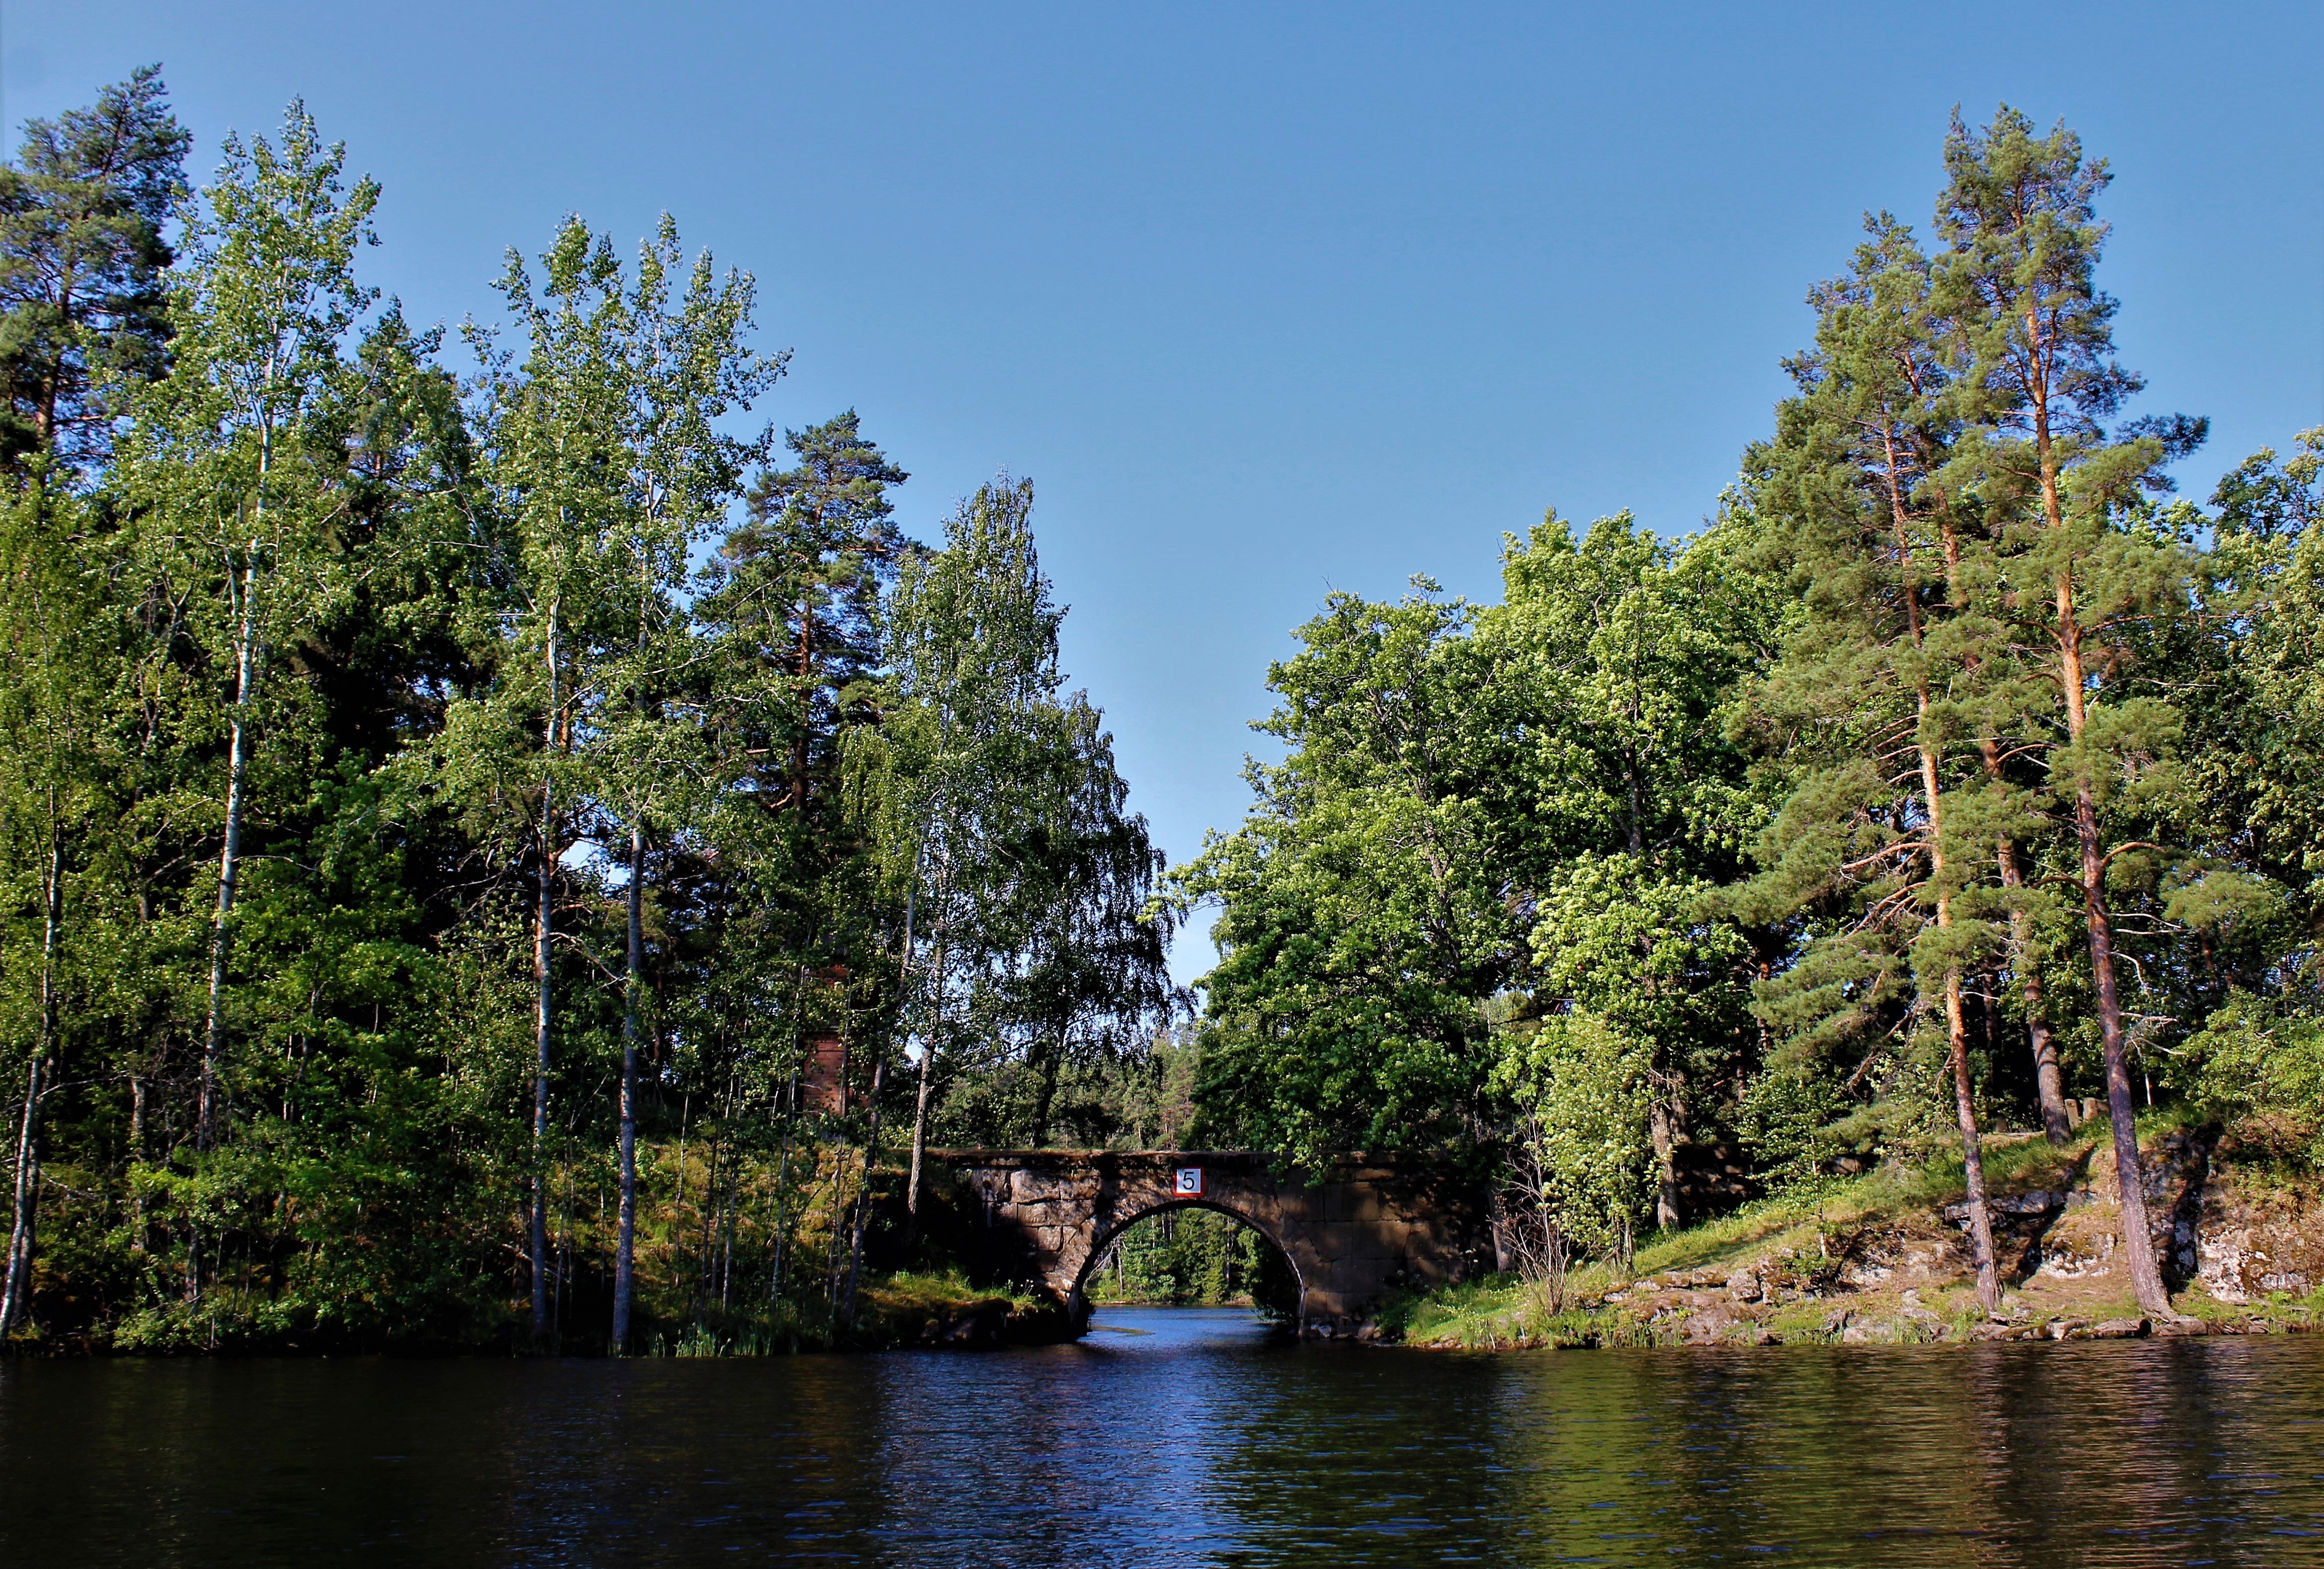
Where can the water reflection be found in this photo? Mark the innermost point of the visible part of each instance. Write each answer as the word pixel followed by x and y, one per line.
pixel 1200 1442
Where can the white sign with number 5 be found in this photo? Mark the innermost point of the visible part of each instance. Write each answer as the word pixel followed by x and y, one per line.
pixel 1190 1181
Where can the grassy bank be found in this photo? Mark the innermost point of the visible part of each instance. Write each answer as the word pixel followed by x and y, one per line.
pixel 1875 1259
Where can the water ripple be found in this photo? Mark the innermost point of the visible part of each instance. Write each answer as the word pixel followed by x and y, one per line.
pixel 1199 1441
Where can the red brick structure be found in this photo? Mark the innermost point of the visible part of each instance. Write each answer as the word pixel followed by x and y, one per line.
pixel 822 1077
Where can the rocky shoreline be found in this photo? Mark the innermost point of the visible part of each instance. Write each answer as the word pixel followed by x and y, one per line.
pixel 2243 1245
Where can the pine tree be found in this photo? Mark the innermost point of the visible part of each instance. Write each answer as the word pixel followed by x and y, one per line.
pixel 84 265
pixel 1883 675
pixel 2030 341
pixel 82 295
pixel 818 548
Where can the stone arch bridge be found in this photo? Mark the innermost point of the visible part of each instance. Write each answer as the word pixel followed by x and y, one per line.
pixel 1350 1233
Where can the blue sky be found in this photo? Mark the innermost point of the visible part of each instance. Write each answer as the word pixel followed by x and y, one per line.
pixel 1275 299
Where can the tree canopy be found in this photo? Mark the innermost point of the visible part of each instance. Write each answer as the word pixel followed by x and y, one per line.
pixel 472 817
pixel 1956 773
pixel 498 847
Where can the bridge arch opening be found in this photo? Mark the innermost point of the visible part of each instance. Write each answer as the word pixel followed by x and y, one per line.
pixel 1192 1253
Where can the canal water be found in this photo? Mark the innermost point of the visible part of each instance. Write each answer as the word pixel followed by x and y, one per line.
pixel 1181 1436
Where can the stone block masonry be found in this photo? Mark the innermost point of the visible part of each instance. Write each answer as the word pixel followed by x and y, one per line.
pixel 1351 1231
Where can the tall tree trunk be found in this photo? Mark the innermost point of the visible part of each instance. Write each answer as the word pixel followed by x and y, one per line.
pixel 17 1290
pixel 1662 1127
pixel 626 1234
pixel 864 1197
pixel 928 1037
pixel 726 1220
pixel 1980 1221
pixel 919 1136
pixel 2049 1081
pixel 1045 1098
pixel 709 1212
pixel 789 1102
pixel 247 654
pixel 1665 1118
pixel 21 1237
pixel 678 1201
pixel 837 1264
pixel 544 1003
pixel 229 853
pixel 782 1201
pixel 137 1236
pixel 2137 1240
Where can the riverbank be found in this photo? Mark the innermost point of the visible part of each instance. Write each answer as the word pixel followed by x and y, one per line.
pixel 1882 1260
pixel 894 1312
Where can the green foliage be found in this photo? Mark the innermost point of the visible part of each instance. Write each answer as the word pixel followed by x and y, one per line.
pixel 1778 840
pixel 2258 1064
pixel 1362 925
pixel 1193 1258
pixel 83 261
pixel 1587 1085
pixel 996 810
pixel 1477 881
pixel 461 840
pixel 354 709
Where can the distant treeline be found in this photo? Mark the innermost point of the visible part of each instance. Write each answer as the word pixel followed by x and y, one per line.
pixel 490 846
pixel 1195 1258
pixel 1958 771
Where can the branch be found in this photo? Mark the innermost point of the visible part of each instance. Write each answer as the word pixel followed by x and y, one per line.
pixel 2108 859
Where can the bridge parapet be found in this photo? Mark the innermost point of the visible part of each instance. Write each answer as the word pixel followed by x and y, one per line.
pixel 1351 1233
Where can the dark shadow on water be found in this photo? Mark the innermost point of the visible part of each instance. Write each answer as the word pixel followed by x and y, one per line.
pixel 1181 1436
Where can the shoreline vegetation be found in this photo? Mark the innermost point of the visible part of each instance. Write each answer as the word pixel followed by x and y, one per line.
pixel 502 853
pixel 1882 1259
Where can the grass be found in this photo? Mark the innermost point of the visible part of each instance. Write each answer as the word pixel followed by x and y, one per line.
pixel 1799 1236
pixel 1808 1215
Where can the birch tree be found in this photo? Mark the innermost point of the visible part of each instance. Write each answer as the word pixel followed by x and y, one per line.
pixel 238 503
pixel 1006 827
pixel 972 647
pixel 612 460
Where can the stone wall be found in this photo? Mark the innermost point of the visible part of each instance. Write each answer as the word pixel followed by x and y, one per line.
pixel 1351 1234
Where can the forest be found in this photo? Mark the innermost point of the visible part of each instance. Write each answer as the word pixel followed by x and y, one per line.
pixel 492 851
pixel 1959 772
pixel 498 850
